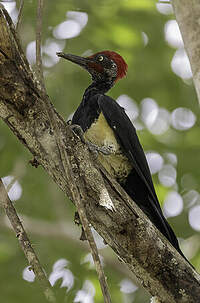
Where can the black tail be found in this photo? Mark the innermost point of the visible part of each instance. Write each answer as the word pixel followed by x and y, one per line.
pixel 137 190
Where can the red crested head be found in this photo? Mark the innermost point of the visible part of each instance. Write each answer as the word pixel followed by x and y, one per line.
pixel 105 67
pixel 114 57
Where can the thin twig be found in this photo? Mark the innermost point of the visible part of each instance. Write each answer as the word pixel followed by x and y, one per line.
pixel 25 243
pixel 81 211
pixel 19 15
pixel 93 249
pixel 39 67
pixel 13 180
pixel 66 231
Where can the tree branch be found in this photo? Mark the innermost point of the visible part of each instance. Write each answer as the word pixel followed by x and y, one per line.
pixel 157 265
pixel 188 17
pixel 40 6
pixel 66 231
pixel 25 243
pixel 19 15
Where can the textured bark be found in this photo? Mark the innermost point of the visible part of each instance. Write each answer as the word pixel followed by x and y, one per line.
pixel 25 109
pixel 188 17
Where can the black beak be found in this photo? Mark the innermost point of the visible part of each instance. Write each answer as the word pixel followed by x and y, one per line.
pixel 83 62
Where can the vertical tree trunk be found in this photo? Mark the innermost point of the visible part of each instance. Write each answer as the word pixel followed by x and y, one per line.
pixel 188 17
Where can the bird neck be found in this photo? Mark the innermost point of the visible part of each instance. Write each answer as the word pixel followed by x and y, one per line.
pixel 100 87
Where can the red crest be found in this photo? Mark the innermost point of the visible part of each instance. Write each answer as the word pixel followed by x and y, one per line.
pixel 121 64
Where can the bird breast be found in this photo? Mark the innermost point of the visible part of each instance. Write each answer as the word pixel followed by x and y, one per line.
pixel 102 135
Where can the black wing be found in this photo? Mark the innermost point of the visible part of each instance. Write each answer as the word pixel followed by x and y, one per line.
pixel 126 136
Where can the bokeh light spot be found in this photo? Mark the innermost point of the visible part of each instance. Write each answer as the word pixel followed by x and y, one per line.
pixel 71 27
pixel 191 198
pixel 49 50
pixel 60 264
pixel 11 9
pixel 67 29
pixel 89 259
pixel 173 204
pixel 182 118
pixel 145 38
pixel 161 123
pixel 80 17
pixel 31 52
pixel 180 64
pixel 149 111
pixel 155 161
pixel 86 294
pixel 15 191
pixel 60 272
pixel 173 34
pixel 129 105
pixel 167 175
pixel 193 216
pixel 171 158
pixel 28 274
pixel 127 286
pixel 164 8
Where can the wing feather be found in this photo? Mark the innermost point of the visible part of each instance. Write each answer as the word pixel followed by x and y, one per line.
pixel 127 137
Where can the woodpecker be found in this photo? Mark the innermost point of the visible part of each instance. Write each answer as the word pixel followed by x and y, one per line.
pixel 106 125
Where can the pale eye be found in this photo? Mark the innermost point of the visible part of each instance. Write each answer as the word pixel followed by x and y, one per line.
pixel 114 64
pixel 100 58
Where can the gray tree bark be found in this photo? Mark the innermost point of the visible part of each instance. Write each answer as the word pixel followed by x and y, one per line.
pixel 31 116
pixel 188 17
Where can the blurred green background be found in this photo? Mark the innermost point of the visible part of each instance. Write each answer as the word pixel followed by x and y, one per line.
pixel 159 97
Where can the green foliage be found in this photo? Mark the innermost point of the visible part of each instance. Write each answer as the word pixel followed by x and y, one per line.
pixel 118 26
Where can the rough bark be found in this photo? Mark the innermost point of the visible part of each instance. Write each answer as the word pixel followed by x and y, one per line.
pixel 188 17
pixel 25 109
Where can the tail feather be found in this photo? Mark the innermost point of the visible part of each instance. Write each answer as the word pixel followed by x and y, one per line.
pixel 137 190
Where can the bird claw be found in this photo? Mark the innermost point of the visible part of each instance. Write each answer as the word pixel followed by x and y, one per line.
pixel 69 122
pixel 78 131
pixel 96 149
pixel 105 150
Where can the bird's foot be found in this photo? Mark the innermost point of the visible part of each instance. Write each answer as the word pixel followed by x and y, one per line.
pixel 78 131
pixel 98 149
pixel 95 149
pixel 69 122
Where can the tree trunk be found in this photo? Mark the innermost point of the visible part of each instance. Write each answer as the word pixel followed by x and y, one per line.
pixel 188 17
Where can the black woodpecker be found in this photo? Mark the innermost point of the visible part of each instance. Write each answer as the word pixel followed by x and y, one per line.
pixel 106 125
